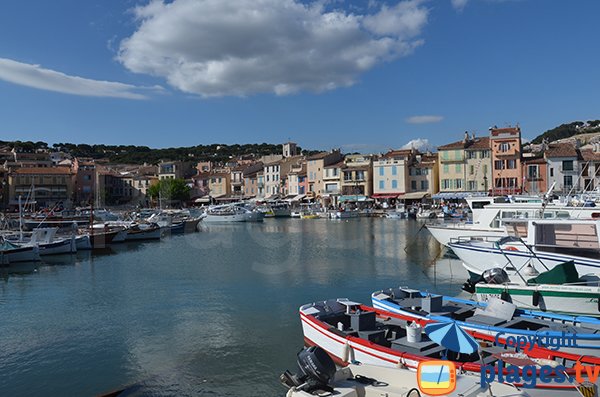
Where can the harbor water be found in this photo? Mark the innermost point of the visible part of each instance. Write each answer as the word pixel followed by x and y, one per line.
pixel 213 313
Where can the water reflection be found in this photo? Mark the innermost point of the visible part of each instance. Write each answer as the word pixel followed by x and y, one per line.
pixel 213 312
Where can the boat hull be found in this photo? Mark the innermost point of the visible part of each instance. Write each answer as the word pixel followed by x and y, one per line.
pixel 572 300
pixel 19 254
pixel 444 233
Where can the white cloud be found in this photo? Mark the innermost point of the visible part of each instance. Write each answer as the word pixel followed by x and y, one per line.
pixel 420 144
pixel 243 47
pixel 459 4
pixel 45 79
pixel 426 119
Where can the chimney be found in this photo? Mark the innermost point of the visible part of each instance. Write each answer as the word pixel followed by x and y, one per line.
pixel 466 137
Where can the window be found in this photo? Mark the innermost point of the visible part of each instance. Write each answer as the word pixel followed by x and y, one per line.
pixel 567 165
pixel 471 154
pixel 347 175
pixel 413 185
pixel 457 155
pixel 458 183
pixel 381 171
pixel 446 169
pixel 445 183
pixel 381 185
pixel 485 154
pixel 568 181
pixel 551 171
pixel 418 171
pixel 472 185
pixel 532 171
pixel 445 155
pixel 457 168
pixel 360 175
pixel 471 169
pixel 499 164
pixel 511 164
pixel 394 170
pixel 394 184
pixel 504 147
pixel 424 185
pixel 485 170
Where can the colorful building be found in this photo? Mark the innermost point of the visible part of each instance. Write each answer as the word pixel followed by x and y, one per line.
pixel 391 173
pixel 314 169
pixel 563 167
pixel 505 144
pixel 357 178
pixel 465 166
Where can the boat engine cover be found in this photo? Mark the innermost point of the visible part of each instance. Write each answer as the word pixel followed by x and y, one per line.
pixel 495 276
pixel 315 363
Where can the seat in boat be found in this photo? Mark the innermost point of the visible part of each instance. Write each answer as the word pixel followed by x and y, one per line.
pixel 485 320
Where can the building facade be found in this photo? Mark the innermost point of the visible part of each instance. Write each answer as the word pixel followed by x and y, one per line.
pixel 357 178
pixel 563 167
pixel 314 169
pixel 505 144
pixel 48 187
pixel 391 173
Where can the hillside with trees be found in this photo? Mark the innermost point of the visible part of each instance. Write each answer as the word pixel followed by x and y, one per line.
pixel 568 130
pixel 130 154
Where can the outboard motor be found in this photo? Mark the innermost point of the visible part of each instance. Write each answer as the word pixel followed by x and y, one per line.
pixel 495 276
pixel 316 371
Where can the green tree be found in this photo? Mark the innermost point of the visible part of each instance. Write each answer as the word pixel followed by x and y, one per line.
pixel 170 191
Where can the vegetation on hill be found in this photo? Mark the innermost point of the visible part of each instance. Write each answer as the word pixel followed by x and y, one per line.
pixel 130 154
pixel 568 130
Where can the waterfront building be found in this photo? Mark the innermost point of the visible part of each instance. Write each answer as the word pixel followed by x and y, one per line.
pixel 563 167
pixel 297 182
pixel 176 170
pixel 237 181
pixel 220 184
pixel 391 173
pixel 505 144
pixel 14 159
pixel 250 174
pixel 272 179
pixel 204 166
pixel 47 187
pixel 357 178
pixel 535 173
pixel 422 176
pixel 590 172
pixel 332 184
pixel 465 166
pixel 3 188
pixel 85 180
pixel 314 169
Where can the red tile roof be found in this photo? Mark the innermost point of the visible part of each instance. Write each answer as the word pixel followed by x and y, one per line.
pixel 590 155
pixel 509 130
pixel 560 150
pixel 476 144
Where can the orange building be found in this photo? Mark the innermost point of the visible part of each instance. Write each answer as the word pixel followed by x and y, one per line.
pixel 507 171
pixel 535 171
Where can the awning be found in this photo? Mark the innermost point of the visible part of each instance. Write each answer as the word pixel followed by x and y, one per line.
pixel 356 197
pixel 205 199
pixel 297 198
pixel 457 195
pixel 414 195
pixel 385 196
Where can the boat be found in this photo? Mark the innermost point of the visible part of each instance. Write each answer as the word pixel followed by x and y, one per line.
pixel 345 214
pixel 46 240
pixel 231 213
pixel 83 242
pixel 296 214
pixel 143 231
pixel 319 376
pixel 351 332
pixel 493 318
pixel 489 215
pixel 394 215
pixel 541 243
pixel 559 290
pixel 309 215
pixel 12 253
pixel 191 224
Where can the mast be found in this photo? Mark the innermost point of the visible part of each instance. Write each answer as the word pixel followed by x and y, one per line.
pixel 20 220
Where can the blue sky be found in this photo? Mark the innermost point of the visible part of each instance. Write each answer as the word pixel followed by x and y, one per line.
pixel 363 75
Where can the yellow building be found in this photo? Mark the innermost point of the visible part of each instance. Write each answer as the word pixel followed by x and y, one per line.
pixel 465 166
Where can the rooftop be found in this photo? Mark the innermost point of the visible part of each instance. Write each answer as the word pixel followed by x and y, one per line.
pixel 43 171
pixel 560 150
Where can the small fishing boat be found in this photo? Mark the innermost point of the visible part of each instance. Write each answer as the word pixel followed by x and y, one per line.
pixel 495 317
pixel 143 231
pixel 83 242
pixel 12 253
pixel 558 290
pixel 319 376
pixel 46 240
pixel 231 213
pixel 351 332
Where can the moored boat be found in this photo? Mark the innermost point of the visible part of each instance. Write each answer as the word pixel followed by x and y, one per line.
pixel 350 332
pixel 492 318
pixel 11 253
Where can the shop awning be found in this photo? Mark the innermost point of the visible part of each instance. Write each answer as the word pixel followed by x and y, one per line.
pixel 414 195
pixel 457 195
pixel 385 196
pixel 298 197
pixel 353 198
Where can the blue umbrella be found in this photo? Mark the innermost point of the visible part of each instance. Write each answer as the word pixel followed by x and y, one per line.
pixel 452 337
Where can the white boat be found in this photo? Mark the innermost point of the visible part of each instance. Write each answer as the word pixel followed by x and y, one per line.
pixel 296 214
pixel 11 253
pixel 541 244
pixel 231 213
pixel 346 214
pixel 46 240
pixel 366 380
pixel 143 231
pixel 489 215
pixel 395 215
pixel 83 242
